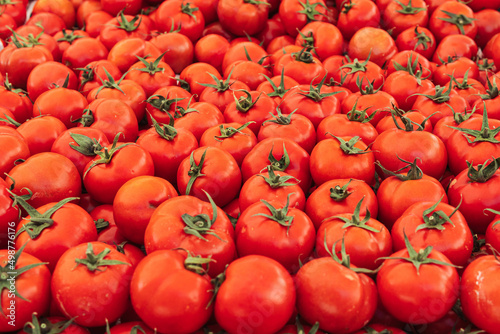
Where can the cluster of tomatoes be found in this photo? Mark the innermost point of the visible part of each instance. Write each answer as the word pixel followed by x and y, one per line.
pixel 250 166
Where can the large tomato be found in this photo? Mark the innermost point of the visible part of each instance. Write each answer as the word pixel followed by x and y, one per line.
pixel 243 17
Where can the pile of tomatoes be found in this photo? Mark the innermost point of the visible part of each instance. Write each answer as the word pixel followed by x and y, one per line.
pixel 250 166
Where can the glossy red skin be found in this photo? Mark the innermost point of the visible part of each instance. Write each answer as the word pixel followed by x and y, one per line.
pixel 407 40
pixel 373 74
pixel 18 103
pixel 111 34
pixel 257 160
pixel 197 123
pixel 41 132
pixel 222 178
pixel 460 151
pixel 7 22
pixel 17 10
pixel 59 237
pixel 274 31
pixel 303 72
pixel 33 285
pixel 94 22
pixel 169 13
pixel 364 247
pixel 473 92
pixel 395 196
pixel 487 22
pixel 180 49
pixel 114 282
pixel 268 292
pixel 135 202
pixel 267 88
pixel 241 18
pixel 293 20
pixel 428 107
pixel 63 45
pixel 455 46
pixel 379 102
pixel 12 148
pixel 430 150
pixel 113 7
pixel 62 146
pixel 478 293
pixel 124 53
pixel 169 92
pixel 184 315
pixel 491 107
pixel 256 188
pixel 50 22
pixel 340 126
pixel 63 103
pixel 110 235
pixel 166 231
pixel 151 82
pixel 457 68
pixel 492 235
pixel 221 99
pixel 399 22
pixel 319 300
pixel 47 76
pixel 132 252
pixel 237 145
pixel 105 113
pixel 326 156
pixel 85 9
pixel 300 129
pixel 402 86
pixel 128 162
pixel 402 59
pixel 196 74
pixel 374 43
pixel 9 214
pixel 77 55
pixel 320 205
pixel 50 176
pixel 98 73
pixel 387 123
pixel 126 328
pixel 363 13
pixel 455 241
pixel 440 28
pixel 248 72
pixel 262 236
pixel 210 49
pixel 328 40
pixel 418 298
pixel 237 52
pixel 475 197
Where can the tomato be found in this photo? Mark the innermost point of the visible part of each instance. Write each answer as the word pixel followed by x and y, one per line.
pixel 301 66
pixel 244 51
pixel 296 14
pixel 243 17
pixel 374 44
pixel 455 46
pixel 417 285
pixel 17 10
pixel 12 148
pixel 124 53
pixel 418 39
pixel 166 100
pixel 96 273
pixel 197 117
pixel 356 15
pixel 49 75
pixel 323 38
pixel 62 8
pixel 40 132
pixel 129 7
pixel 184 314
pixel 91 75
pixel 83 51
pixel 365 239
pixel 327 308
pixel 487 25
pixel 452 17
pixel 477 292
pixel 180 49
pixel 184 16
pixel 16 100
pixel 194 225
pixel 348 73
pixel 135 202
pixel 210 49
pixel 122 27
pixel 223 92
pixel 32 288
pixel 127 327
pixel 196 75
pixel 106 226
pixel 210 170
pixel 253 279
pixel 444 127
pixel 398 17
pixel 51 177
pixel 113 166
pixel 52 323
pixel 353 124
pixel 456 67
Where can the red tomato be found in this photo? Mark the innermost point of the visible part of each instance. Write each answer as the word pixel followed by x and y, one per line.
pixel 296 14
pixel 196 75
pixel 12 148
pixel 452 17
pixel 374 44
pixel 180 49
pixel 181 15
pixel 356 15
pixel 114 7
pixel 198 117
pixel 418 39
pixel 122 27
pixel 83 51
pixel 210 49
pixel 49 75
pixel 323 38
pixel 398 17
pixel 243 17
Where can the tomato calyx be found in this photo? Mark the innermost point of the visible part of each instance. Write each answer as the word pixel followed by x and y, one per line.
pixel 355 115
pixel 344 259
pixel 25 42
pixel 216 282
pixel 368 89
pixel 309 10
pixel 165 131
pixel 87 73
pixel 370 330
pixel 43 325
pixel 314 92
pixel 196 263
pixel 484 135
pixel 408 123
pixel 459 20
pixel 10 120
pixel 110 83
pixel 107 154
pixel 281 164
pixel 127 25
pixel 9 273
pixel 356 220
pixel 94 261
pixel 277 181
pixel 348 146
pixel 188 10
pixel 436 219
pixel 485 64
pixel 483 172
pixel 339 193
pixel 244 104
pixel 195 170
pixel 466 330
pixel 280 90
pixel 8 86
pixel 202 223
pixel 278 215
pixel 307 40
pixel 101 224
pixel 85 145
pixel 231 131
pixel 162 103
pixel 414 68
pixel 279 118
pixel 440 95
pixel 300 328
pixel 491 91
pixel 151 67
pixel 256 2
pixel 422 39
pixel 459 118
pixel 414 173
pixel 87 118
pixel 418 258
pixel 304 55
pixel 356 66
pixel 220 85
pixel 247 55
pixel 69 37
pixel 464 84
pixel 181 111
pixel 409 9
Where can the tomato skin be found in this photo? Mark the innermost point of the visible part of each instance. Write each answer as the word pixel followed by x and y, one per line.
pixel 78 54
pixel 222 178
pixel 356 15
pixel 268 292
pixel 124 53
pixel 237 52
pixel 61 8
pixel 33 285
pixel 373 43
pixel 492 235
pixel 210 49
pixel 129 7
pixel 293 20
pixel 39 133
pixel 340 126
pixel 93 72
pixel 12 148
pixel 418 298
pixel 135 202
pixel 455 242
pixel 110 235
pixel 180 49
pixel 441 28
pixel 47 76
pixel 18 103
pixel 61 236
pixel 197 123
pixel 478 293
pixel 487 25
pixel 73 287
pixel 50 176
pixel 408 40
pixel 111 33
pixel 188 312
pixel 328 40
pixel 403 86
pixel 170 13
pixel 399 21
pixel 241 18
pixel 22 61
pixel 50 103
pixel 357 290
pixel 197 74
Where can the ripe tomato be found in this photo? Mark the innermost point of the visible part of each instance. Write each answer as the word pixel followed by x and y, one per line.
pixel 12 148
pixel 210 49
pixel 243 17
pixel 197 117
pixel 181 15
pixel 374 44
pixel 398 17
pixel 452 17
pixel 122 27
pixel 180 49
pixel 418 39
pixel 83 51
pixel 356 15
pixel 296 14
pixel 323 38
pixel 48 75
